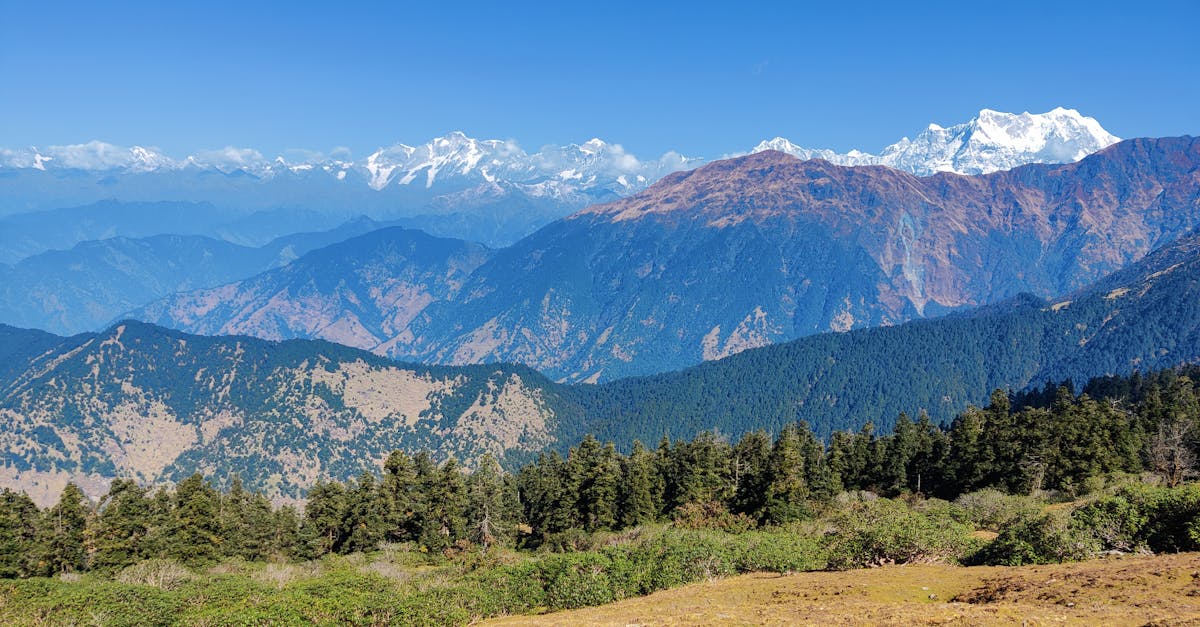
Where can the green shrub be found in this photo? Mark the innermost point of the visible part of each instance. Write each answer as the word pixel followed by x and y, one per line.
pixel 992 509
pixel 1113 522
pixel 160 573
pixel 711 515
pixel 1038 539
pixel 576 580
pixel 883 531
pixel 1172 516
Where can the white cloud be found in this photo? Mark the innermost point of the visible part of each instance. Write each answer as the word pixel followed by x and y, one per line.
pixel 231 158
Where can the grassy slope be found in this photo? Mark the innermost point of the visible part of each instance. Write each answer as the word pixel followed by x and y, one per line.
pixel 1132 590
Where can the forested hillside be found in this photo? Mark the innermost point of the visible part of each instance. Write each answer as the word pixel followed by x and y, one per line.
pixel 1146 316
pixel 154 405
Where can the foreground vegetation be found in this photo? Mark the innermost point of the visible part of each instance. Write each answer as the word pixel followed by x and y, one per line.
pixel 406 584
pixel 429 543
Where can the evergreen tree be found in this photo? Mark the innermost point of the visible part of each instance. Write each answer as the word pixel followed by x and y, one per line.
pixel 364 523
pixel 194 535
pixel 443 520
pixel 786 489
pixel 19 523
pixel 62 535
pixel 749 459
pixel 700 471
pixel 491 516
pixel 400 500
pixel 234 509
pixel 285 541
pixel 594 474
pixel 549 507
pixel 122 526
pixel 640 495
pixel 321 532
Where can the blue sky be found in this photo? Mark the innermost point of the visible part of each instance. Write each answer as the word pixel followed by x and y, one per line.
pixel 705 79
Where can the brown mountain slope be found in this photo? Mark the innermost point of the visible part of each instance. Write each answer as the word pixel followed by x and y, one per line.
pixel 765 248
pixel 747 252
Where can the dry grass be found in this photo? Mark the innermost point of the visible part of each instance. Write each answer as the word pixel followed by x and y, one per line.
pixel 1160 590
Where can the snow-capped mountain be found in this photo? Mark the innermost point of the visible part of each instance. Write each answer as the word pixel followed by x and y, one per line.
pixel 453 157
pixel 492 191
pixel 991 142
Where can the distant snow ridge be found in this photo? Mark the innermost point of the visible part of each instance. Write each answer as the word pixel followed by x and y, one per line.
pixel 990 142
pixel 552 171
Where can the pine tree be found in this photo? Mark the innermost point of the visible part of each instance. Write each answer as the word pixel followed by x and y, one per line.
pixel 321 532
pixel 122 526
pixel 194 534
pixel 640 495
pixel 285 538
pixel 594 475
pixel 549 508
pixel 365 512
pixel 490 516
pixel 400 502
pixel 700 471
pixel 787 490
pixel 19 523
pixel 444 520
pixel 62 535
pixel 749 459
pixel 969 463
pixel 233 509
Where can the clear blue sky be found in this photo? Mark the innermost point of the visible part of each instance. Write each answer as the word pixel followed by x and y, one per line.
pixel 701 78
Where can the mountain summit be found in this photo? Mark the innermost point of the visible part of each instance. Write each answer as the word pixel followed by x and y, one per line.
pixel 992 141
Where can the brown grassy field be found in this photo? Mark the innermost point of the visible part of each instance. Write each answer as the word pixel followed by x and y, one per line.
pixel 1131 590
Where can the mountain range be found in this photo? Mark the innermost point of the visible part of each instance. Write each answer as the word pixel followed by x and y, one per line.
pixel 153 404
pixel 89 285
pixel 492 191
pixel 750 251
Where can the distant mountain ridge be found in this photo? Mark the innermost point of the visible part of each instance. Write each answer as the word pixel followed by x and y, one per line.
pixel 491 191
pixel 89 285
pixel 363 292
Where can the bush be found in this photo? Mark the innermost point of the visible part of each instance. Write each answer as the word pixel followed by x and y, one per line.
pixel 711 515
pixel 161 573
pixel 992 509
pixel 883 531
pixel 1172 516
pixel 1038 539
pixel 1113 522
pixel 576 580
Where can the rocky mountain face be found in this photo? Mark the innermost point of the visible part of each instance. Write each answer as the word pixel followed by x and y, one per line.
pixel 362 292
pixel 766 248
pixel 142 402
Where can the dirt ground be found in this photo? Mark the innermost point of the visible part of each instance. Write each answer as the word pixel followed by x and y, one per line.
pixel 1127 590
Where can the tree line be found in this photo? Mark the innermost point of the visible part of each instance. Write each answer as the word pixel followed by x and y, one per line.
pixel 1048 440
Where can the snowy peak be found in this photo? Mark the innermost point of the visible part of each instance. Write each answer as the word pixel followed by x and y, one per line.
pixel 94 155
pixel 990 142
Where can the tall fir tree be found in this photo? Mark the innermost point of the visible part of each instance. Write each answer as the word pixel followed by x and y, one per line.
pixel 63 533
pixel 19 524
